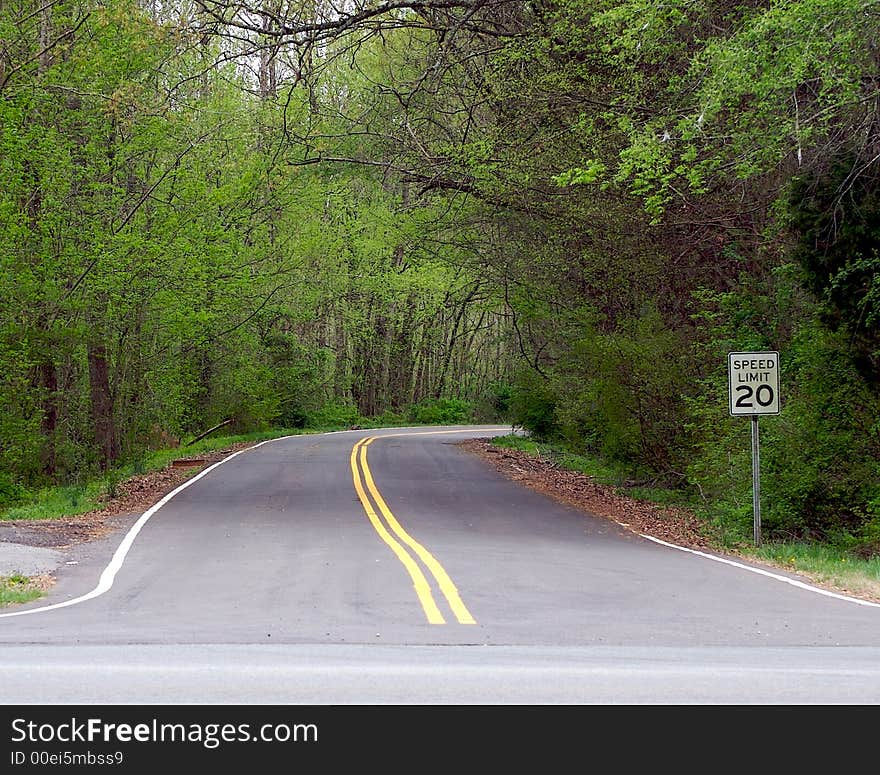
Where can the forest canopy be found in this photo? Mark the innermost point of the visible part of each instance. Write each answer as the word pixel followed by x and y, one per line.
pixel 561 215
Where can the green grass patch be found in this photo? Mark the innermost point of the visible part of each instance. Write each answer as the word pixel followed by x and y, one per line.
pixel 18 589
pixel 827 564
pixel 49 502
pixel 72 499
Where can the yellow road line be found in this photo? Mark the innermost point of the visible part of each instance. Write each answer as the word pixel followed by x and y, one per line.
pixel 420 583
pixel 446 586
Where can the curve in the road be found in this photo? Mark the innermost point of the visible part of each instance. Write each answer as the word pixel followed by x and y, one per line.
pixel 359 467
pixel 364 485
pixel 108 576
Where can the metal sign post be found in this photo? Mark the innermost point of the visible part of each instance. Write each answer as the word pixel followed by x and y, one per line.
pixel 756 481
pixel 753 390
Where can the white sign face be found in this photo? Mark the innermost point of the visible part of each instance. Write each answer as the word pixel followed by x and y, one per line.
pixel 753 383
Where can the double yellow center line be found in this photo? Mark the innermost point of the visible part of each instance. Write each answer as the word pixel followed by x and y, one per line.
pixel 408 550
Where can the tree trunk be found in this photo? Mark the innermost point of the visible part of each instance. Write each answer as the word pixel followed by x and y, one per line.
pixel 45 34
pixel 102 405
pixel 267 71
pixel 49 384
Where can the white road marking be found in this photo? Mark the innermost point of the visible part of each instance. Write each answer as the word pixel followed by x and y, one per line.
pixel 778 577
pixel 109 574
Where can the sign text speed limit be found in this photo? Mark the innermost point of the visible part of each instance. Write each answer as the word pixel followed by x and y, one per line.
pixel 753 382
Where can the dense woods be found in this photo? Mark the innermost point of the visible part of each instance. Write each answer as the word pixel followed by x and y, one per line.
pixel 561 215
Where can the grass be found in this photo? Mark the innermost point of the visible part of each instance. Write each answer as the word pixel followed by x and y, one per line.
pixel 17 589
pixel 70 500
pixel 830 565
pixel 79 498
pixel 826 564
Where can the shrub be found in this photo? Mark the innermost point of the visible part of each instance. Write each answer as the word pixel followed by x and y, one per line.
pixel 333 415
pixel 533 405
pixel 11 493
pixel 440 411
pixel 622 393
pixel 819 457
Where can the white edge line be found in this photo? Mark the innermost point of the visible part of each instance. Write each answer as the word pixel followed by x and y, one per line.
pixel 776 576
pixel 109 574
pixel 115 564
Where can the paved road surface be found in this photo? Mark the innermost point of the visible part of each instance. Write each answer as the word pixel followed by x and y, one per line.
pixel 390 566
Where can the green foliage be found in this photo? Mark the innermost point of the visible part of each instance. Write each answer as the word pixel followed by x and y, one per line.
pixel 838 235
pixel 387 419
pixel 620 393
pixel 207 270
pixel 112 481
pixel 440 411
pixel 819 456
pixel 617 394
pixel 734 92
pixel 600 203
pixel 822 456
pixel 867 539
pixel 533 405
pixel 11 493
pixel 492 404
pixel 334 416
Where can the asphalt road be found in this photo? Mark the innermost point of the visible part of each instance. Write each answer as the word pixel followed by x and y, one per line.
pixel 390 566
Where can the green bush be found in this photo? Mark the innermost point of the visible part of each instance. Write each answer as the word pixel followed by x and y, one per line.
pixel 497 399
pixel 492 405
pixel 533 405
pixel 837 248
pixel 867 542
pixel 822 453
pixel 292 416
pixel 440 411
pixel 11 493
pixel 333 416
pixel 622 393
pixel 387 418
pixel 820 457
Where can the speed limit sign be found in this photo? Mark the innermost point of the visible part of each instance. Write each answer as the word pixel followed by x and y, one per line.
pixel 753 383
pixel 753 389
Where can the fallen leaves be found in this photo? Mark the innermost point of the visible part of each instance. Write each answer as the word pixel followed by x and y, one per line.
pixel 131 496
pixel 580 491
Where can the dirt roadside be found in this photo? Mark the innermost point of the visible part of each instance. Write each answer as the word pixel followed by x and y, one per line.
pixel 677 526
pixel 136 495
pixel 580 491
pixel 133 496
